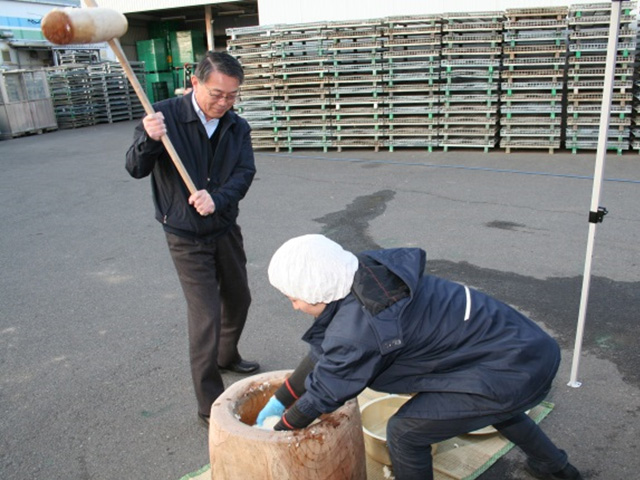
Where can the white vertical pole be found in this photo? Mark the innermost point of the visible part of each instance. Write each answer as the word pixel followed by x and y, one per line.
pixel 601 152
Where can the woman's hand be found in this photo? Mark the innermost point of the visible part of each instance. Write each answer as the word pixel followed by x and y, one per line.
pixel 273 408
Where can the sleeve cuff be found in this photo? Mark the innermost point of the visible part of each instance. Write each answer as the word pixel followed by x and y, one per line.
pixel 286 394
pixel 293 419
pixel 293 387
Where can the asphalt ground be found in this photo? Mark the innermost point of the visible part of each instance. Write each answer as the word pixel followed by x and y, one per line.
pixel 94 374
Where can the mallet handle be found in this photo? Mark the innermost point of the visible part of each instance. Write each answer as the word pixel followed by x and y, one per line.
pixel 148 108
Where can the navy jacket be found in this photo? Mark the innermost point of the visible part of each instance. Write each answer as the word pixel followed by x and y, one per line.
pixel 433 335
pixel 227 179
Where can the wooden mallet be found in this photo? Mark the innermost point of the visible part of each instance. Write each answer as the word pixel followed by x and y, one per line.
pixel 92 25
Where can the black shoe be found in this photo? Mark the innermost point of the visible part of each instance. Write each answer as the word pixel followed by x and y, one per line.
pixel 569 472
pixel 243 366
pixel 204 419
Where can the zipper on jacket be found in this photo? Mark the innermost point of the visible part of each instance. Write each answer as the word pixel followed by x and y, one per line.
pixel 224 128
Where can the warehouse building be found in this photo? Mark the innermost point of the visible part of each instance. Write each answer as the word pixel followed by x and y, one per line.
pixel 22 44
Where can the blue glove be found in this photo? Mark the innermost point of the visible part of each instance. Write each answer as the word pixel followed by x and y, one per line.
pixel 273 408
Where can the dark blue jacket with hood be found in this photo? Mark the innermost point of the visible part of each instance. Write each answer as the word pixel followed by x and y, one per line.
pixel 400 331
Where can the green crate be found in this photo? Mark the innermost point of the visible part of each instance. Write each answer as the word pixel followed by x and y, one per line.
pixel 188 46
pixel 160 90
pixel 154 85
pixel 154 54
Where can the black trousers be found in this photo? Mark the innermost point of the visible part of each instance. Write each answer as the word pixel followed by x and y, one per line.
pixel 410 438
pixel 213 276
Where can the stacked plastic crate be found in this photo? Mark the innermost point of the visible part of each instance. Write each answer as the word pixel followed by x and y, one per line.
pixel 533 75
pixel 254 47
pixel 302 71
pixel 186 47
pixel 156 60
pixel 355 57
pixel 588 38
pixel 412 80
pixel 469 93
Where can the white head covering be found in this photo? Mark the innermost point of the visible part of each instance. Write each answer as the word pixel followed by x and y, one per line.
pixel 313 269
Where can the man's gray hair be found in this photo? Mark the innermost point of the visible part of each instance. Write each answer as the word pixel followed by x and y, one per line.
pixel 221 62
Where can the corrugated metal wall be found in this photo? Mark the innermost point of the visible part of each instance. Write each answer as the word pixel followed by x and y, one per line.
pixel 303 11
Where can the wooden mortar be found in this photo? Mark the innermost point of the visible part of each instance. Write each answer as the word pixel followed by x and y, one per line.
pixel 331 449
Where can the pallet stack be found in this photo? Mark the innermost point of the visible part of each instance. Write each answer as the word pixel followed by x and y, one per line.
pixel 76 57
pixel 411 77
pixel 588 38
pixel 136 110
pixel 99 81
pixel 635 112
pixel 532 93
pixel 72 96
pixel 471 57
pixel 357 106
pixel 114 98
pixel 529 78
pixel 302 75
pixel 94 93
pixel 254 47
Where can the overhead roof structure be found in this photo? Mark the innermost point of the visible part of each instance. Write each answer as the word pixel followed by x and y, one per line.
pixel 188 11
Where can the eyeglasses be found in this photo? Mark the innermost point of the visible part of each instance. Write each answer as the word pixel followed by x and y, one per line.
pixel 216 97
